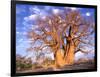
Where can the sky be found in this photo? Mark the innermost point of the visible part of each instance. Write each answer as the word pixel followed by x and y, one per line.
pixel 26 16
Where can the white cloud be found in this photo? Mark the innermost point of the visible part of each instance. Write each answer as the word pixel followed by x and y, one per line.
pixel 21 33
pixel 31 17
pixel 79 55
pixel 56 11
pixel 35 10
pixel 17 32
pixel 20 40
pixel 88 14
pixel 72 8
pixel 26 18
pixel 39 11
pixel 24 33
pixel 43 17
pixel 34 27
pixel 36 13
pixel 48 8
pixel 66 7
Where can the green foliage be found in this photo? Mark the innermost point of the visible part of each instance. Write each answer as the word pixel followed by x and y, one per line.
pixel 23 64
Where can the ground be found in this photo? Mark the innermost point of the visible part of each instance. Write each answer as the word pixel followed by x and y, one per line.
pixel 75 66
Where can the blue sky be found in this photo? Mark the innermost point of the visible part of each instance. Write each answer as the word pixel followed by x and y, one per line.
pixel 26 16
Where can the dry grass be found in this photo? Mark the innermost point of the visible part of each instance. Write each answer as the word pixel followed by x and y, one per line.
pixel 75 66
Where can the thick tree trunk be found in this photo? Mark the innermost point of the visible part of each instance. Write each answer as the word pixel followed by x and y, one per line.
pixel 69 55
pixel 59 61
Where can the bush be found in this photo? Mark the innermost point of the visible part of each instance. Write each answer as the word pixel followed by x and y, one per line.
pixel 23 66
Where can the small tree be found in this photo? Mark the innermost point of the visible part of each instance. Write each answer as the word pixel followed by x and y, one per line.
pixel 22 63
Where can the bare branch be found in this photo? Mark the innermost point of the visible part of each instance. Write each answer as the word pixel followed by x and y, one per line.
pixel 80 50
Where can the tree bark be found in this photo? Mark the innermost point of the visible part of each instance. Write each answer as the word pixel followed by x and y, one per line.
pixel 69 55
pixel 59 61
pixel 70 47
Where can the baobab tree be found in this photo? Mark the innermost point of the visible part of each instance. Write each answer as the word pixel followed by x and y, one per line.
pixel 64 34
